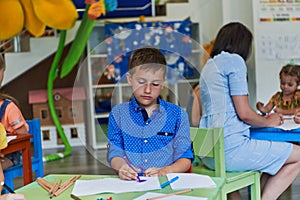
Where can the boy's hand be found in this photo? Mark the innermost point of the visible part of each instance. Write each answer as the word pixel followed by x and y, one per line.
pixel 155 172
pixel 127 173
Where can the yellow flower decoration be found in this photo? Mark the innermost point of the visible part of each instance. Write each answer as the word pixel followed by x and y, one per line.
pixel 35 15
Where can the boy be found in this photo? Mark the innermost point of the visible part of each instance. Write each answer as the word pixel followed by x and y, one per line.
pixel 148 135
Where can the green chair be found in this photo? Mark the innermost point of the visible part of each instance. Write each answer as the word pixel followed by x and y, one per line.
pixel 209 142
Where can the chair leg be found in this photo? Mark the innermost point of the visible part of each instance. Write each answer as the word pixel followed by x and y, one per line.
pixel 223 195
pixel 255 188
pixel 10 183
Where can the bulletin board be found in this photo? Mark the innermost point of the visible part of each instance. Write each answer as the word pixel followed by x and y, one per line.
pixel 276 42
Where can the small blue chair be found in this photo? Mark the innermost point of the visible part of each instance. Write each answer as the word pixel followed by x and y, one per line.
pixel 37 158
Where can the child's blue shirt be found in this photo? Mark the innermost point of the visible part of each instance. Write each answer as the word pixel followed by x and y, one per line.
pixel 154 142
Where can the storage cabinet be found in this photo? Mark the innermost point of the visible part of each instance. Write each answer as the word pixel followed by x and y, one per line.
pixel 104 93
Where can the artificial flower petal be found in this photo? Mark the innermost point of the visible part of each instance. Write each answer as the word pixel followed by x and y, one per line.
pixel 32 23
pixel 96 9
pixel 12 18
pixel 58 14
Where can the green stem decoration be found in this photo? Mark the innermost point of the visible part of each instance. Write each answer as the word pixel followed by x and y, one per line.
pixel 51 78
pixel 75 51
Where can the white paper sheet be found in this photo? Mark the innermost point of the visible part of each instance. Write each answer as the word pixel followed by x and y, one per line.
pixel 289 124
pixel 114 185
pixel 10 138
pixel 190 181
pixel 173 197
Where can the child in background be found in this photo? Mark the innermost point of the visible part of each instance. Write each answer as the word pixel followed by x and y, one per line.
pixel 12 120
pixel 150 133
pixel 13 123
pixel 288 99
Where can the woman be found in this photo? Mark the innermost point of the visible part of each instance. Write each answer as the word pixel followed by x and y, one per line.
pixel 224 98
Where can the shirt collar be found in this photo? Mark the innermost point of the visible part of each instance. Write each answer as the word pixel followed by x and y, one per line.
pixel 137 108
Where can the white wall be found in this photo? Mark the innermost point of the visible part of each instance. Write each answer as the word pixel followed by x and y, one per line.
pixel 241 11
pixel 210 14
pixel 40 48
pixel 267 69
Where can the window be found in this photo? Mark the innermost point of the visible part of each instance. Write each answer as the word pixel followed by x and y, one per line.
pixel 74 133
pixel 46 135
pixel 44 114
pixel 59 113
pixel 72 112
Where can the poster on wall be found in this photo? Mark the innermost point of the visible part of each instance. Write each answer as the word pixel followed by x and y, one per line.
pixel 172 38
pixel 125 8
pixel 279 10
pixel 284 47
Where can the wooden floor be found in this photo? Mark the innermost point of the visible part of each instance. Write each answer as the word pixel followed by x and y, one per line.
pixel 83 161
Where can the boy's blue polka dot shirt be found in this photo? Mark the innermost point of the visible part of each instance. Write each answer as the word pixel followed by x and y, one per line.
pixel 157 141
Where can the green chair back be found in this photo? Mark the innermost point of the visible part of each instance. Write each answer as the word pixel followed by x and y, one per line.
pixel 209 142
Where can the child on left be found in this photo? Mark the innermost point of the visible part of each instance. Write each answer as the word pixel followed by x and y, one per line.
pixel 20 127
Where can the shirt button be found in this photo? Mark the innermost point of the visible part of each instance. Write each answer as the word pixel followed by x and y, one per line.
pixel 145 160
pixel 147 123
pixel 145 141
pixel 166 134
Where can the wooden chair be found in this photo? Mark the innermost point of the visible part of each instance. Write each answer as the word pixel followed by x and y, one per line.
pixel 37 158
pixel 209 142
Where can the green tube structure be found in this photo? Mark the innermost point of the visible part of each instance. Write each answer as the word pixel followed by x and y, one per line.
pixel 51 78
pixel 69 63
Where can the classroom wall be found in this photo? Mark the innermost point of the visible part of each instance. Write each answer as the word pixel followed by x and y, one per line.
pixel 277 42
pixel 241 11
pixel 210 14
pixel 40 49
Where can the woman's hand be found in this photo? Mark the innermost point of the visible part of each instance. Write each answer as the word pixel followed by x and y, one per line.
pixel 275 119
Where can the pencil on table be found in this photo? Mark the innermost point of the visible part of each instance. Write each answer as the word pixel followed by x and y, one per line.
pixel 66 185
pixel 44 186
pixel 75 197
pixel 46 183
pixel 55 187
pixel 171 194
pixel 42 183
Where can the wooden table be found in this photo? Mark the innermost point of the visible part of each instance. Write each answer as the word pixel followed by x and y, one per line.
pixel 275 134
pixel 34 191
pixel 22 143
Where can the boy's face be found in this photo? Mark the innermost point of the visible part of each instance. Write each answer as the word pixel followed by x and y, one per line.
pixel 146 85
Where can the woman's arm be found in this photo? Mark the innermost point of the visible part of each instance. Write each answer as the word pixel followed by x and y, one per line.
pixel 196 108
pixel 249 116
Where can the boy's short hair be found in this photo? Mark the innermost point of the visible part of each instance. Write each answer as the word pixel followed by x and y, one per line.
pixel 147 58
pixel 290 70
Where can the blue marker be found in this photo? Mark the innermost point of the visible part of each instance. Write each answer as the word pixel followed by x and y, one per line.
pixel 169 182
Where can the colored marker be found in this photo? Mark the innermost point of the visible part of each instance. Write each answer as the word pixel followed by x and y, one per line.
pixel 131 166
pixel 169 182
